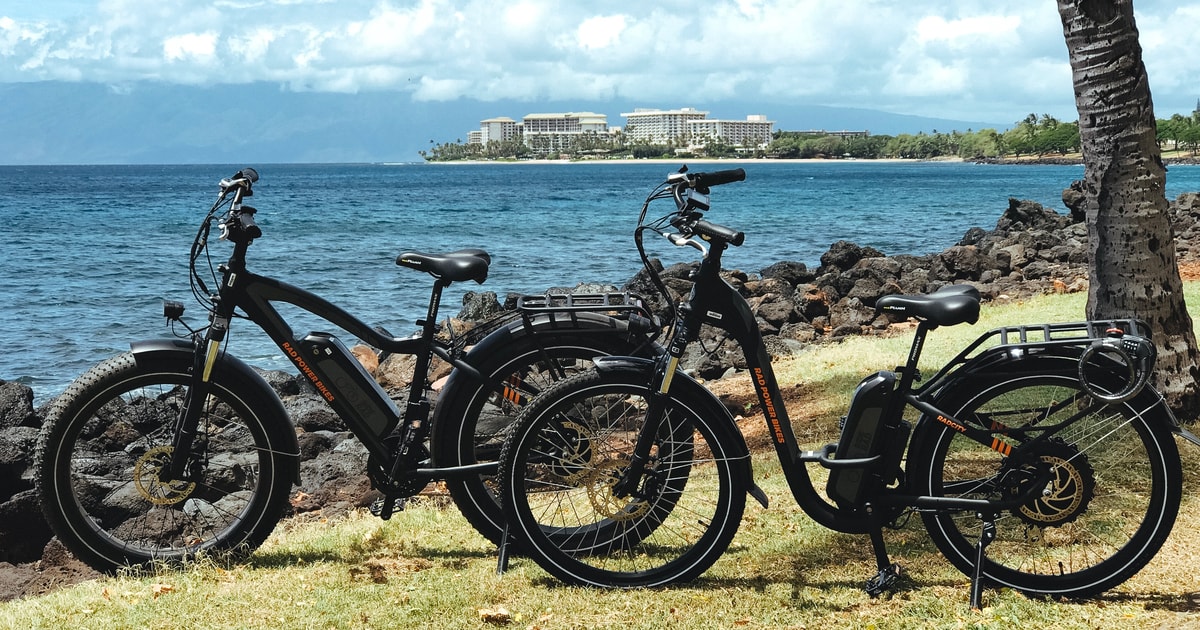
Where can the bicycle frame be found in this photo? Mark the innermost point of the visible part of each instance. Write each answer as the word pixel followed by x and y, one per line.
pixel 365 408
pixel 713 301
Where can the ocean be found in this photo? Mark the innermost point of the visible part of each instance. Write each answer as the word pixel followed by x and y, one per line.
pixel 90 252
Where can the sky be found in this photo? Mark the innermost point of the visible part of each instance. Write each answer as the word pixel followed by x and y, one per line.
pixel 957 59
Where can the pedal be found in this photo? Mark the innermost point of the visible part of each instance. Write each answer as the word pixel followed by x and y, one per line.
pixel 884 580
pixel 385 506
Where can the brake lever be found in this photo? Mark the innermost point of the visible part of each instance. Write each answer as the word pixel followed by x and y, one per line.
pixel 680 240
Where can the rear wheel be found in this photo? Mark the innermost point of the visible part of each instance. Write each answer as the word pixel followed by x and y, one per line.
pixel 480 415
pixel 108 437
pixel 572 446
pixel 1111 489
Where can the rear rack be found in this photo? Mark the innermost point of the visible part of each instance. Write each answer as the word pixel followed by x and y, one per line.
pixel 614 302
pixel 1060 334
pixel 618 304
pixel 1078 335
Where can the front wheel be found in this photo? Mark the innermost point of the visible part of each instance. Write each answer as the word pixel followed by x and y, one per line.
pixel 109 435
pixel 569 450
pixel 476 415
pixel 1112 489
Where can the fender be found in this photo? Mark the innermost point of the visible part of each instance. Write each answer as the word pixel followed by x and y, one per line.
pixel 283 438
pixel 686 385
pixel 465 374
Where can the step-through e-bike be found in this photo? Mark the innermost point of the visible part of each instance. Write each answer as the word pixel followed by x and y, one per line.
pixel 177 447
pixel 1041 460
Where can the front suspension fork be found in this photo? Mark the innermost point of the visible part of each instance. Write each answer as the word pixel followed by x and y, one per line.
pixel 664 372
pixel 188 420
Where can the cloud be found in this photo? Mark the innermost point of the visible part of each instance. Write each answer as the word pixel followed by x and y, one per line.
pixel 198 47
pixel 600 32
pixel 971 59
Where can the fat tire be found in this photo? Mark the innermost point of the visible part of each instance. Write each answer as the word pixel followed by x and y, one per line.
pixel 104 437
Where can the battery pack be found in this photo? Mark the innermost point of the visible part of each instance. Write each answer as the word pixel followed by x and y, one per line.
pixel 346 385
pixel 863 435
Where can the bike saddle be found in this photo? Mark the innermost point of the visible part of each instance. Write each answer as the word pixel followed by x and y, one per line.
pixel 949 305
pixel 464 264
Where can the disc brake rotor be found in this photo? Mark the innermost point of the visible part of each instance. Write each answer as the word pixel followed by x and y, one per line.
pixel 1066 494
pixel 154 489
pixel 600 482
pixel 574 455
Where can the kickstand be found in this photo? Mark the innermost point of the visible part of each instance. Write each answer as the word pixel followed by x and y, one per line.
pixel 889 572
pixel 986 536
pixel 502 552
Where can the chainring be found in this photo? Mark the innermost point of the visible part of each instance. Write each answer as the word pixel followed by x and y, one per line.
pixel 404 485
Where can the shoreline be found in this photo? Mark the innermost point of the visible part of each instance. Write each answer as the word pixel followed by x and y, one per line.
pixel 1068 160
pixel 698 161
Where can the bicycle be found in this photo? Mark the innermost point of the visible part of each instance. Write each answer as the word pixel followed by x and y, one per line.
pixel 177 447
pixel 1041 459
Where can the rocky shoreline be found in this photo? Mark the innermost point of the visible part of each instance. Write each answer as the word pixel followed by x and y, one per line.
pixel 1031 250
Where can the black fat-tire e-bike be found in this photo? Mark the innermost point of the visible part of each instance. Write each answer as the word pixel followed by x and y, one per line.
pixel 177 447
pixel 1040 461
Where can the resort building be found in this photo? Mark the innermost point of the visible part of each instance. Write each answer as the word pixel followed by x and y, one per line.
pixel 660 126
pixel 753 132
pixel 549 133
pixel 498 130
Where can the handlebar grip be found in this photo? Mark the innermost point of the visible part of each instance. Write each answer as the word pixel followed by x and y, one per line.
pixel 727 234
pixel 716 178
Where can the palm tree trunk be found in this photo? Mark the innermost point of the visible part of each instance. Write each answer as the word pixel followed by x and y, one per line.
pixel 1132 245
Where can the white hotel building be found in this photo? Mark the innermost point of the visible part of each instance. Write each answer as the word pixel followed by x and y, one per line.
pixel 755 131
pixel 693 128
pixel 660 126
pixel 686 127
pixel 548 133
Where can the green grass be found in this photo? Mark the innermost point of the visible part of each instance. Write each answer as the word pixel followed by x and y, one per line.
pixel 426 568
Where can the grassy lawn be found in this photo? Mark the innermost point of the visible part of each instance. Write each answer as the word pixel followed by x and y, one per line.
pixel 426 568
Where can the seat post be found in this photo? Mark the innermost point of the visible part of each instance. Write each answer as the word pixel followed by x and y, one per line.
pixel 909 373
pixel 417 411
pixel 429 324
pixel 423 358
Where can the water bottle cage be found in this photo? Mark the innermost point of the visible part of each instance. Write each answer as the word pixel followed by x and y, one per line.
pixel 1131 355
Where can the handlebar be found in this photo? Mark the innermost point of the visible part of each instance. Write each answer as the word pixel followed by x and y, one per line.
pixel 242 179
pixel 240 226
pixel 702 181
pixel 711 230
pixel 690 191
pixel 246 228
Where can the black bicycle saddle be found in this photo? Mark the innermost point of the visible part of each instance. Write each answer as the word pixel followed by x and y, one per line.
pixel 464 264
pixel 949 305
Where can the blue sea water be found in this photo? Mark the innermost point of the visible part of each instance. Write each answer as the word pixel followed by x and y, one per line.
pixel 89 253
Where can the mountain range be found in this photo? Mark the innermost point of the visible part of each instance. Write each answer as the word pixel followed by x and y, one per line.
pixel 159 123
